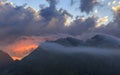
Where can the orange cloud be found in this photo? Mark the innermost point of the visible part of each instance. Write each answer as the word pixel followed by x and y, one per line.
pixel 25 45
pixel 16 58
pixel 21 48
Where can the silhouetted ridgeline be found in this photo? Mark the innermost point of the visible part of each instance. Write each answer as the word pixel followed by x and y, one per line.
pixel 5 60
pixel 56 58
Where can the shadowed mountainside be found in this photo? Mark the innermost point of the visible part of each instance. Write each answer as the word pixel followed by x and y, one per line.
pixel 5 59
pixel 70 56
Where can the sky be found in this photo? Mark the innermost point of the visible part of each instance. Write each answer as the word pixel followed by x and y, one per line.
pixel 65 4
pixel 23 28
pixel 104 9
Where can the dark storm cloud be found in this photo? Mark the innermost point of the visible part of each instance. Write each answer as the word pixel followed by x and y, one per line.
pixel 50 11
pixel 86 6
pixel 82 25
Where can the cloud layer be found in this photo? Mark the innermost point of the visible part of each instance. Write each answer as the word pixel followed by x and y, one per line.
pixel 19 21
pixel 112 28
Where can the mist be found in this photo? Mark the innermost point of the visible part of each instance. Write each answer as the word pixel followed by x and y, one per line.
pixel 54 47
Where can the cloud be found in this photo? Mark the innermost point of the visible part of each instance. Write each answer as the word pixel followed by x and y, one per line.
pixel 96 11
pixel 54 47
pixel 114 2
pixel 19 21
pixel 82 25
pixel 52 3
pixel 102 21
pixel 16 21
pixel 25 45
pixel 3 0
pixel 113 27
pixel 86 6
pixel 109 4
pixel 54 58
pixel 116 11
pixel 50 11
pixel 116 8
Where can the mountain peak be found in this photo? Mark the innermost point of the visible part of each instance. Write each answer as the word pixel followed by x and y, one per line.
pixel 102 40
pixel 69 41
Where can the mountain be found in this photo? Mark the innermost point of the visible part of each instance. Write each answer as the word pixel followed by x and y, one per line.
pixel 103 40
pixel 99 55
pixel 55 59
pixel 98 40
pixel 5 59
pixel 69 41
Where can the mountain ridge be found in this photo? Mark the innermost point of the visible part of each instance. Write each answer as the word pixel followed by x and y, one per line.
pixel 69 56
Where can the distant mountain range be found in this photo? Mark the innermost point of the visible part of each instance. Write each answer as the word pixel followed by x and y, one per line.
pixel 99 55
pixel 99 40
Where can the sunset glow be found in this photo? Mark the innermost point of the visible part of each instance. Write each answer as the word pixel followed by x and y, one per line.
pixel 21 48
pixel 16 58
pixel 24 46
